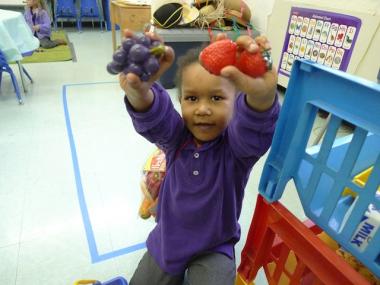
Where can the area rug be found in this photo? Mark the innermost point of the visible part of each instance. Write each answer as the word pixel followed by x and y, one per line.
pixel 58 53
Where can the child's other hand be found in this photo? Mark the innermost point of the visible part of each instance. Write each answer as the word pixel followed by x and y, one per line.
pixel 131 83
pixel 260 91
pixel 36 28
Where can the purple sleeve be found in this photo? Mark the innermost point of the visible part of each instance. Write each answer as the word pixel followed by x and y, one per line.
pixel 161 124
pixel 45 24
pixel 28 18
pixel 250 133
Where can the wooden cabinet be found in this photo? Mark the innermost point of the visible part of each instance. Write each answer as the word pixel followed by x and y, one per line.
pixel 133 17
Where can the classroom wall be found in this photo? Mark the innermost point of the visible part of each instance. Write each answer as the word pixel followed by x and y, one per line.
pixel 260 11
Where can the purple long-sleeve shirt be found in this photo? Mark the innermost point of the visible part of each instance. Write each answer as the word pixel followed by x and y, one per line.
pixel 41 18
pixel 200 199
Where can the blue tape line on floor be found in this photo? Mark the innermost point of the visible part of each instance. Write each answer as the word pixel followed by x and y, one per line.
pixel 95 257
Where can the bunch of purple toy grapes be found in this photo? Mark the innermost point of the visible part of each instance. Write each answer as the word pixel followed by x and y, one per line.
pixel 139 55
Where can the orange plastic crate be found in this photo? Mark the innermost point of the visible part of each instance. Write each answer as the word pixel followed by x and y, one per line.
pixel 290 251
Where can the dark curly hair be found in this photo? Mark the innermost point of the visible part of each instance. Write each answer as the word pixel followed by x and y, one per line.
pixel 189 58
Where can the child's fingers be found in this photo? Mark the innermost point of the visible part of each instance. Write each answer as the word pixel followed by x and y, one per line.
pixel 246 42
pixel 122 80
pixel 133 81
pixel 154 36
pixel 263 42
pixel 128 33
pixel 220 36
pixel 253 45
pixel 129 82
pixel 168 57
pixel 166 61
pixel 235 75
pixel 249 85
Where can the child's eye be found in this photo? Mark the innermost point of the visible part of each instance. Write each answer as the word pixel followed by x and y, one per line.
pixel 191 98
pixel 216 98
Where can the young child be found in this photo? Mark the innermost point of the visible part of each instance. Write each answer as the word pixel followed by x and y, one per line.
pixel 39 22
pixel 227 124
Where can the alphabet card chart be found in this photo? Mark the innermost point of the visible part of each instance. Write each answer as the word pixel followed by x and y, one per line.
pixel 324 37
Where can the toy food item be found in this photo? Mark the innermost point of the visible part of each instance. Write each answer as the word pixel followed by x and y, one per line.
pixel 332 244
pixel 138 55
pixel 252 64
pixel 218 55
pixel 358 266
pixel 225 52
pixel 153 174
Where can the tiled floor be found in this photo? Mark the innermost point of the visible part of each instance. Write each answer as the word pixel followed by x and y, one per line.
pixel 70 165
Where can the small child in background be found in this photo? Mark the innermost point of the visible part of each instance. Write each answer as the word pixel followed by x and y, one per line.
pixel 227 124
pixel 39 22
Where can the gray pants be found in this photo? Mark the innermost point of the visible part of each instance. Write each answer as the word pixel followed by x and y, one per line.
pixel 206 269
pixel 48 43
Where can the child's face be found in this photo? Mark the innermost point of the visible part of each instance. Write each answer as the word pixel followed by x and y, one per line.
pixel 32 3
pixel 207 102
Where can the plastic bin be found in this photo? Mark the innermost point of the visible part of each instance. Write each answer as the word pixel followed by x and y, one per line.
pixel 322 175
pixel 290 251
pixel 181 40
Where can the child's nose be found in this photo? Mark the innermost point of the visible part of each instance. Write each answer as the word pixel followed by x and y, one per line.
pixel 203 109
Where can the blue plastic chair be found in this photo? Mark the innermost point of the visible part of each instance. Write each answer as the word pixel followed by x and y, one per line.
pixel 91 9
pixel 321 174
pixel 65 9
pixel 4 67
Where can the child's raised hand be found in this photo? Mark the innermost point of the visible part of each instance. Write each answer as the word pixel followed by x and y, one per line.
pixel 247 64
pixel 138 83
pixel 261 90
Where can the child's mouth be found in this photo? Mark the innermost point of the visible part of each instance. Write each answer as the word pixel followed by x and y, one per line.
pixel 204 126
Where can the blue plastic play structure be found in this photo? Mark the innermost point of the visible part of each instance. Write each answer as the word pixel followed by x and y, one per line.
pixel 322 175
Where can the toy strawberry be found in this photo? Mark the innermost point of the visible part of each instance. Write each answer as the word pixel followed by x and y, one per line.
pixel 221 53
pixel 254 64
pixel 218 55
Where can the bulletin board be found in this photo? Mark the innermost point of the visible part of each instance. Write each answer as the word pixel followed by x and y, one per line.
pixel 324 37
